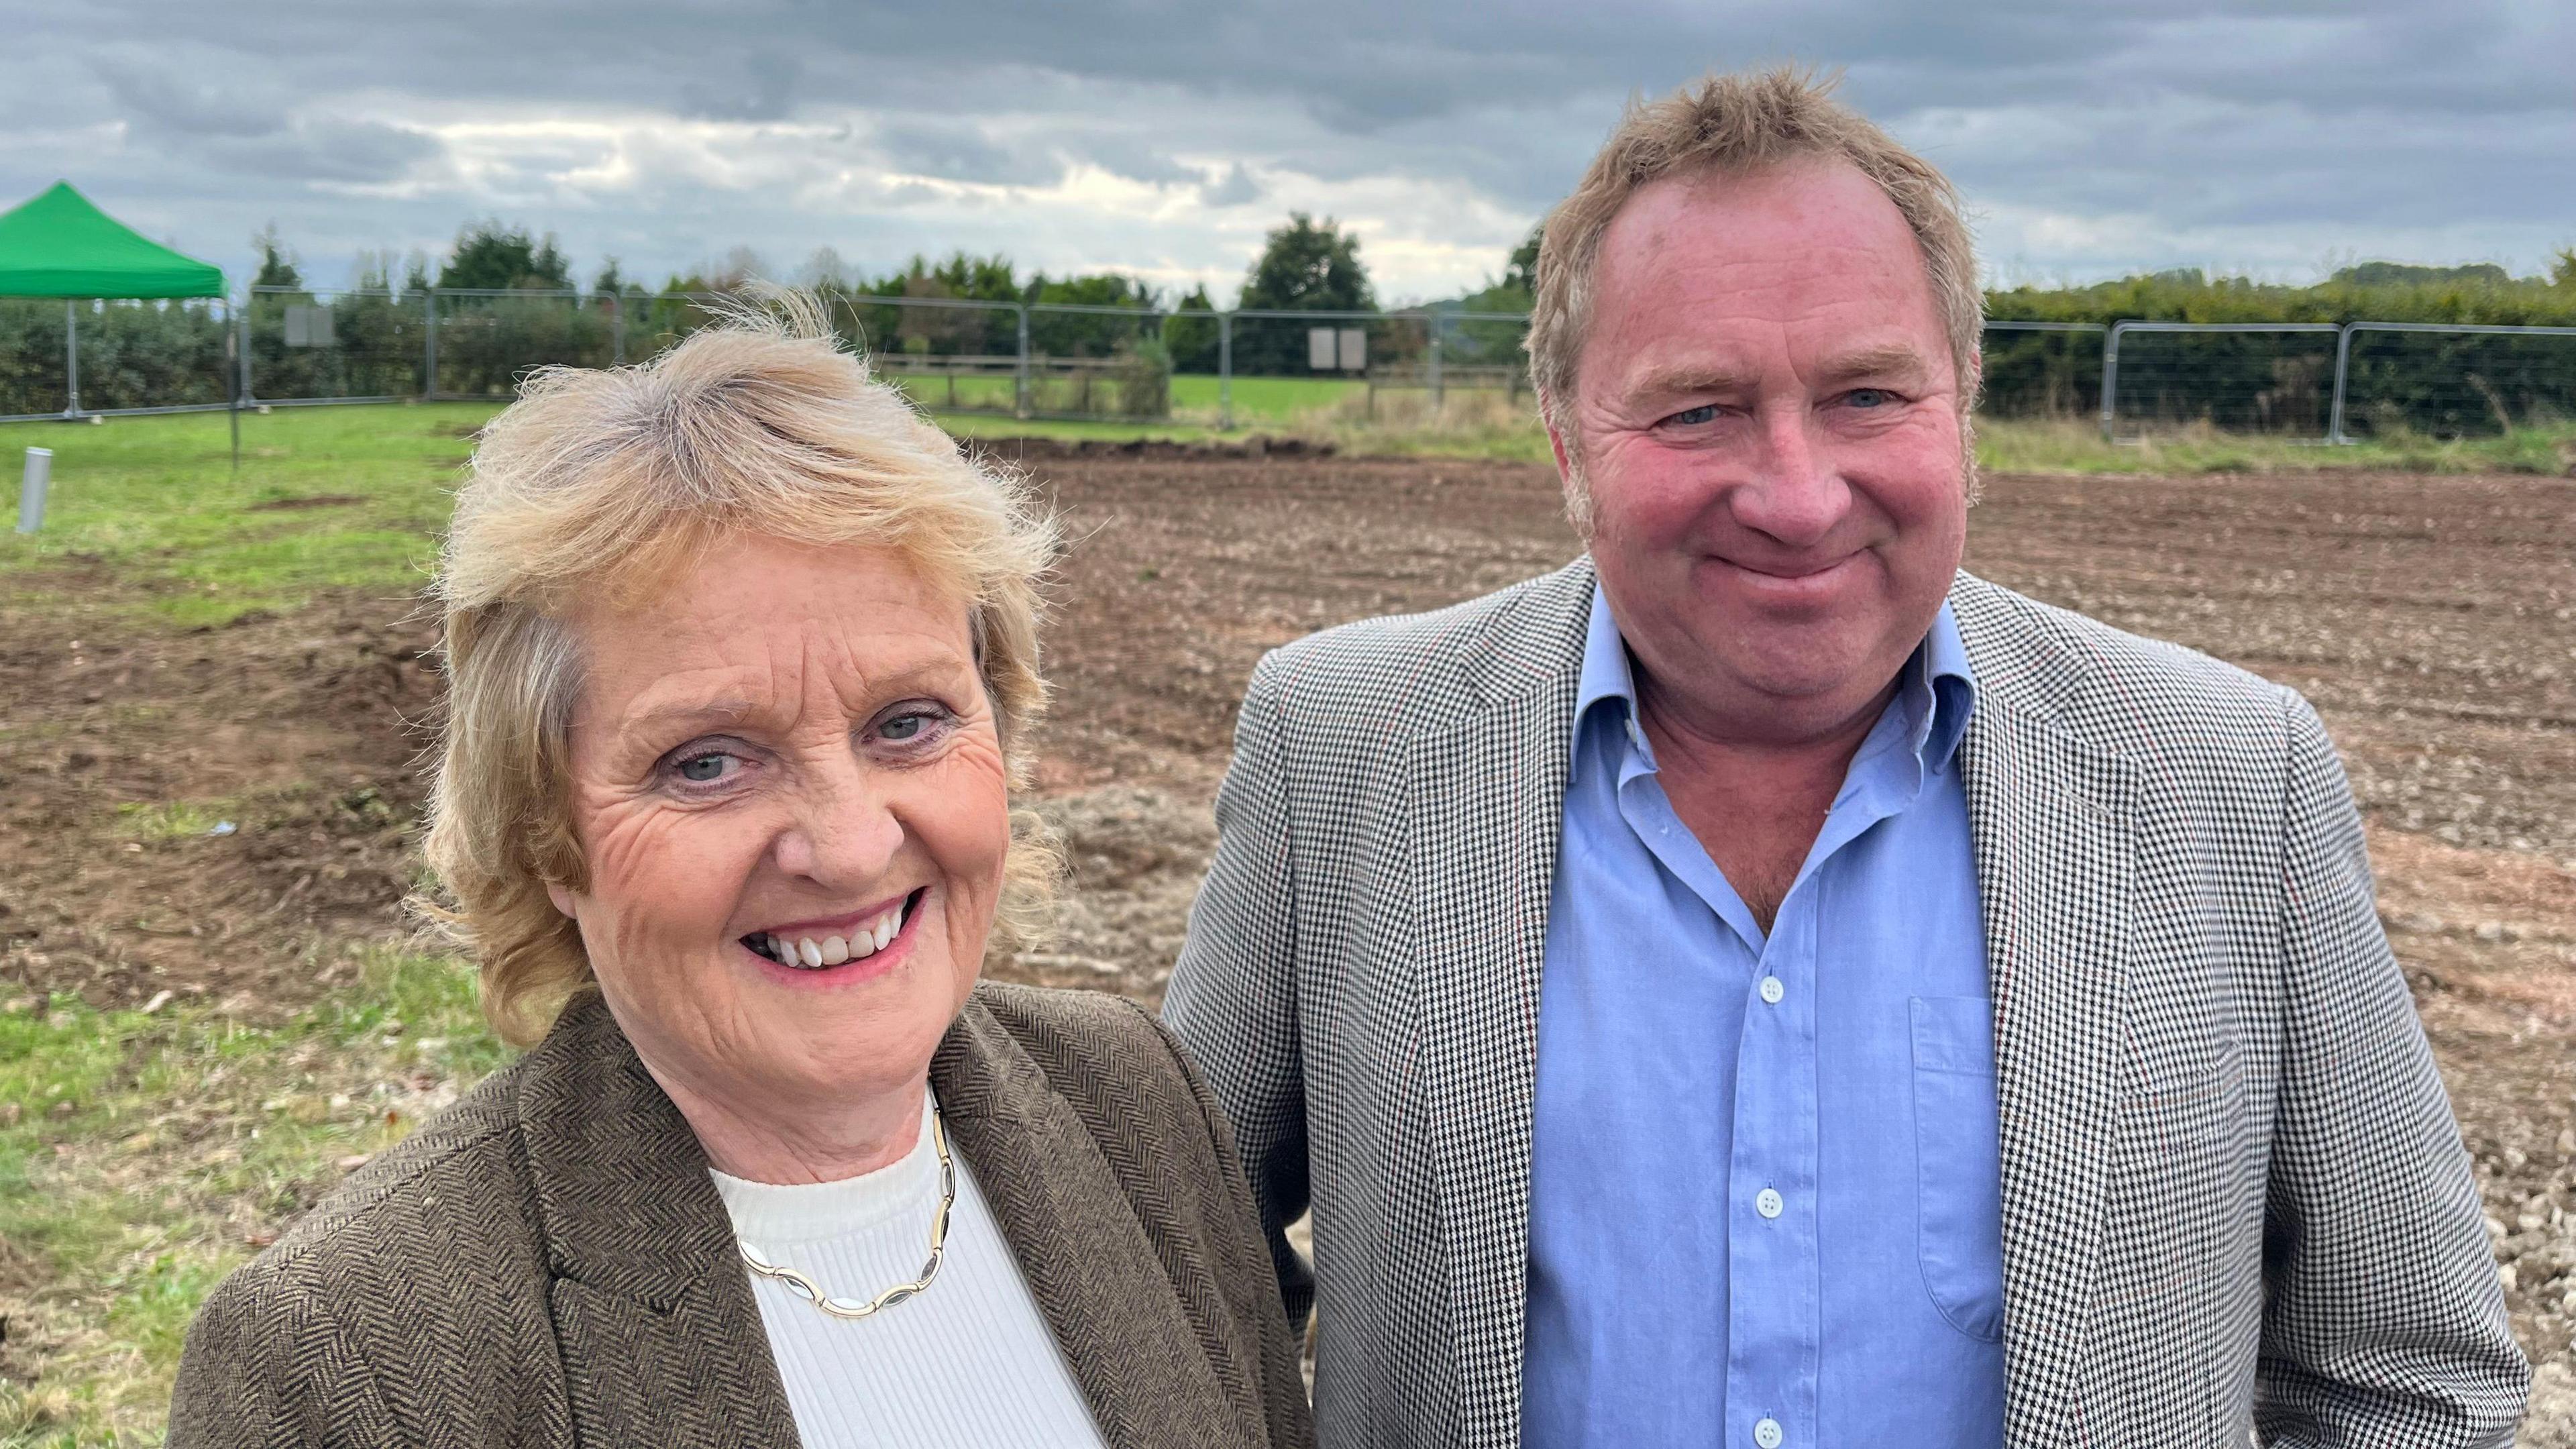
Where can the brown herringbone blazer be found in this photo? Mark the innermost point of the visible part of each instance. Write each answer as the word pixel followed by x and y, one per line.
pixel 547 1263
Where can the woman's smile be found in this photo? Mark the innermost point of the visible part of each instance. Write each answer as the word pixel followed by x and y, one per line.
pixel 841 950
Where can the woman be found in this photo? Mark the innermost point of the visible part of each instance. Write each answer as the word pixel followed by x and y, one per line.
pixel 742 657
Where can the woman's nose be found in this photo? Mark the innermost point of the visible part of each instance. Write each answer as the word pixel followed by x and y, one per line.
pixel 839 832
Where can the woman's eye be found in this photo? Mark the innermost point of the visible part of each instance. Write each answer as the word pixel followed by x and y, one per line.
pixel 908 727
pixel 1704 413
pixel 707 768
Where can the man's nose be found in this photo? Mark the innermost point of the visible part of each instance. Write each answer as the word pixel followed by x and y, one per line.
pixel 840 832
pixel 1795 495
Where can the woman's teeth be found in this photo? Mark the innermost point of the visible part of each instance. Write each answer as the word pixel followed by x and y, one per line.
pixel 813 953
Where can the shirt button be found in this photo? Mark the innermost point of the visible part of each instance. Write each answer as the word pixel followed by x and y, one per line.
pixel 1767 1434
pixel 1767 1203
pixel 1772 990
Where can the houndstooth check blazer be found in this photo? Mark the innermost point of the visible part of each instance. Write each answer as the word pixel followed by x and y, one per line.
pixel 2235 1204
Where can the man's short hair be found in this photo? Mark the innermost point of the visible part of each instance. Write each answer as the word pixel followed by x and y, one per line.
pixel 1734 125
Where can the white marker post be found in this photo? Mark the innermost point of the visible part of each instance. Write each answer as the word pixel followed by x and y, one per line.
pixel 31 489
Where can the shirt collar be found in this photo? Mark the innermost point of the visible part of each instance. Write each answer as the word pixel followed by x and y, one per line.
pixel 1938 690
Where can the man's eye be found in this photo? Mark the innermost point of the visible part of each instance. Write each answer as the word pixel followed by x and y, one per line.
pixel 707 768
pixel 1869 397
pixel 1704 413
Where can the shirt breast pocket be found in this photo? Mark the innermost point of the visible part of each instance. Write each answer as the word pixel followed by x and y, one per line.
pixel 1958 1163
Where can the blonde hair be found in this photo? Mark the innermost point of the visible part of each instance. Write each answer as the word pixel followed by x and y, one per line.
pixel 597 482
pixel 1735 125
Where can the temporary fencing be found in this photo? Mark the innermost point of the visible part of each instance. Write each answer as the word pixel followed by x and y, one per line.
pixel 1039 360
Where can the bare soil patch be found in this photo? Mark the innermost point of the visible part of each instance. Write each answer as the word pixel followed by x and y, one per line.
pixel 2432 619
pixel 309 500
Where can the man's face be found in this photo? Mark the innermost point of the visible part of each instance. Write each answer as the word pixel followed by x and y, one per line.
pixel 1767 417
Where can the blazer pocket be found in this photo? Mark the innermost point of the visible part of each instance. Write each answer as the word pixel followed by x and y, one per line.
pixel 2178 1296
pixel 1958 1163
pixel 2183 1202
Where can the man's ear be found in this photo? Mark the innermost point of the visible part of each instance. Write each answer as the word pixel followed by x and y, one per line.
pixel 1555 440
pixel 562 899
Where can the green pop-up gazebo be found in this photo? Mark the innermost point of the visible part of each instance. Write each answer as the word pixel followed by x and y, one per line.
pixel 59 245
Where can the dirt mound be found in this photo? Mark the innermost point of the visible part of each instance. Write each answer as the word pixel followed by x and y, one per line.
pixel 193 810
pixel 1259 445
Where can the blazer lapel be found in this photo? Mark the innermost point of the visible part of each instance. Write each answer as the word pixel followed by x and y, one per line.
pixel 1096 1277
pixel 2051 817
pixel 660 1338
pixel 1487 804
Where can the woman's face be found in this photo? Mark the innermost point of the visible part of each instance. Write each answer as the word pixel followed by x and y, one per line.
pixel 790 793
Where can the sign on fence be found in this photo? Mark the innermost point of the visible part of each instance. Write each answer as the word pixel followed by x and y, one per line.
pixel 1342 349
pixel 307 325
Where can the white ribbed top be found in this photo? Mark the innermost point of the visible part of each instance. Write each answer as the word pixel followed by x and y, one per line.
pixel 969 1362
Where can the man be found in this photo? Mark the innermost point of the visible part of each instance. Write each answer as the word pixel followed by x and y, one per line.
pixel 1762 986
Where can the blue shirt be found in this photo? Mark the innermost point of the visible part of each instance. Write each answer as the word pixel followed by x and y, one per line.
pixel 1765 1186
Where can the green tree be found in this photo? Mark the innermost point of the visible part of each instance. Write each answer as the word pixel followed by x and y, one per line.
pixel 1521 270
pixel 2402 274
pixel 1303 267
pixel 1190 333
pixel 489 254
pixel 1089 334
pixel 276 264
pixel 2562 268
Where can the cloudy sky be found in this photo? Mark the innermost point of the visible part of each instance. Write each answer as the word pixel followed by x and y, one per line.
pixel 2092 137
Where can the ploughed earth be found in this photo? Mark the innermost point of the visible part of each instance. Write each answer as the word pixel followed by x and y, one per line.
pixel 209 813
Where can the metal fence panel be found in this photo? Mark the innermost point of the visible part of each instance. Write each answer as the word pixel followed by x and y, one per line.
pixel 2451 381
pixel 487 340
pixel 313 344
pixel 2041 369
pixel 33 383
pixel 118 356
pixel 2241 377
pixel 1267 368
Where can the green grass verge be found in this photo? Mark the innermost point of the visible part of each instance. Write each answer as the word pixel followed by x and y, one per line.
pixel 1260 401
pixel 144 1156
pixel 153 514
pixel 2017 446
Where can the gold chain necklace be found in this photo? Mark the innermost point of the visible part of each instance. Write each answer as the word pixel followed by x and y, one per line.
pixel 807 1289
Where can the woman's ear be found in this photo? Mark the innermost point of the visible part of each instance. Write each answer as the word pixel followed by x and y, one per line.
pixel 563 900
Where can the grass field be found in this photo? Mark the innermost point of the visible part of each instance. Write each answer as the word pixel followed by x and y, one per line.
pixel 153 1136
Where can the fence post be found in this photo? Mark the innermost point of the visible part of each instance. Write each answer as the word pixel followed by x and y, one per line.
pixel 1020 385
pixel 71 358
pixel 2110 375
pixel 429 345
pixel 2343 361
pixel 1225 372
pixel 1432 316
pixel 31 489
pixel 242 330
pixel 233 372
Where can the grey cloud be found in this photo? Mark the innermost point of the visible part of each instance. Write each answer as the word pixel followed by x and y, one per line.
pixel 959 152
pixel 1237 187
pixel 761 87
pixel 1136 160
pixel 2221 117
pixel 162 102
